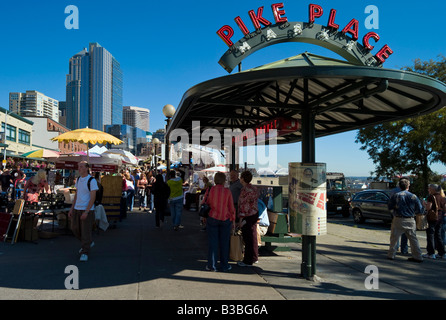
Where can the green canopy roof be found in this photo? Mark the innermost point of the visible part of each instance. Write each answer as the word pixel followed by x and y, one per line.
pixel 342 96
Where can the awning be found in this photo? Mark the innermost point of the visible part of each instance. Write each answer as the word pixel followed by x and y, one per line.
pixel 340 95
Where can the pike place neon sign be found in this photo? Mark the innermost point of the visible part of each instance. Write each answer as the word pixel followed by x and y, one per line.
pixel 342 41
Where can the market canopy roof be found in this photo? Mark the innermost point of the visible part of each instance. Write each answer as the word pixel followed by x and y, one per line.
pixel 341 96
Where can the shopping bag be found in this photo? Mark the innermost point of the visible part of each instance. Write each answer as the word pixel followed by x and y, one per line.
pixel 236 248
pixel 421 222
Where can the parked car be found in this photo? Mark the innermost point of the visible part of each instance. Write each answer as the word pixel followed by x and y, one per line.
pixel 371 204
pixel 338 197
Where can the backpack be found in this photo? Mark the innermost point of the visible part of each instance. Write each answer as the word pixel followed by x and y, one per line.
pixel 99 193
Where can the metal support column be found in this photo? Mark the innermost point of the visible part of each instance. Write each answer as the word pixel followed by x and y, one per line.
pixel 308 266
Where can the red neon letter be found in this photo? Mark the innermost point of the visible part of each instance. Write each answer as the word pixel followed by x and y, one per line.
pixel 366 40
pixel 279 13
pixel 331 20
pixel 242 25
pixel 258 18
pixel 352 28
pixel 316 11
pixel 225 33
pixel 384 53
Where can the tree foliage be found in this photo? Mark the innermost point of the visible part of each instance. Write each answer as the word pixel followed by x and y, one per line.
pixel 409 146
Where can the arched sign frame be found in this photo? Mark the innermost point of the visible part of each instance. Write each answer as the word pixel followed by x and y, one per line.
pixel 304 32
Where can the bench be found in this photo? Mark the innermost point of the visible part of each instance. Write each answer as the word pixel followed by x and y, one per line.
pixel 278 232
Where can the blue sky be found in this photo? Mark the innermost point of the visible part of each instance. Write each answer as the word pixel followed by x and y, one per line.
pixel 167 47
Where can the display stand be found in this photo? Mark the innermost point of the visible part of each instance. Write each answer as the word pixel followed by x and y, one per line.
pixel 111 199
pixel 16 217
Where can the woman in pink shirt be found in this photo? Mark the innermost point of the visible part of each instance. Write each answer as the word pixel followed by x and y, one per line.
pixel 219 223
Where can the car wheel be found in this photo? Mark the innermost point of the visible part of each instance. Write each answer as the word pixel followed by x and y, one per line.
pixel 357 216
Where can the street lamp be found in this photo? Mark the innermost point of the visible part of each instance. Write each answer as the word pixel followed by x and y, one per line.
pixel 155 142
pixel 168 111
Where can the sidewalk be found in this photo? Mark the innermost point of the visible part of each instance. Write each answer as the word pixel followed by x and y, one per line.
pixel 136 261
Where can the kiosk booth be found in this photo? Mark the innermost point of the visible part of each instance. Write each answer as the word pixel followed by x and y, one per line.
pixel 324 96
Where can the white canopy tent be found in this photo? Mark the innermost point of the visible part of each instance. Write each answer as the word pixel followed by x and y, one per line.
pixel 123 155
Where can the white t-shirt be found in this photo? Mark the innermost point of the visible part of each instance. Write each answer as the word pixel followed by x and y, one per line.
pixel 82 192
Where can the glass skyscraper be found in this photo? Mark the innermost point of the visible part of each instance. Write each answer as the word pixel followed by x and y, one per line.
pixel 94 89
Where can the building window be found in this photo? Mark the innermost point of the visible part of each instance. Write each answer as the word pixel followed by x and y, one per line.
pixel 11 132
pixel 24 137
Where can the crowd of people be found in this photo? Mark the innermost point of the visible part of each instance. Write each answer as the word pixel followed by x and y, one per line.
pixel 236 207
pixel 231 208
pixel 405 206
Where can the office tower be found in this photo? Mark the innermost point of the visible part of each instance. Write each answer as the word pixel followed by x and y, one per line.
pixel 94 89
pixel 78 91
pixel 136 117
pixel 34 103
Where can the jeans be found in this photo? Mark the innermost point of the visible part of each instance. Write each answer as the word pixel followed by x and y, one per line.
pixel 176 208
pixel 219 234
pixel 434 240
pixel 130 197
pixel 443 229
pixel 142 200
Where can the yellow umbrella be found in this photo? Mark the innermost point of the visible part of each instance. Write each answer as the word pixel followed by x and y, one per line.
pixel 87 135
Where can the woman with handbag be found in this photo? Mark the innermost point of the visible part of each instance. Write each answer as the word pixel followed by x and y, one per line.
pixel 206 188
pixel 435 207
pixel 219 223
pixel 248 216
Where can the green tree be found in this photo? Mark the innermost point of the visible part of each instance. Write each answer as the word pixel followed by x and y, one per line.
pixel 409 146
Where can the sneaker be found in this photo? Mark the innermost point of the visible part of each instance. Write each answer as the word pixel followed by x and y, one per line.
pixel 210 269
pixel 429 256
pixel 83 258
pixel 229 268
pixel 242 264
pixel 443 257
pixel 181 226
pixel 91 246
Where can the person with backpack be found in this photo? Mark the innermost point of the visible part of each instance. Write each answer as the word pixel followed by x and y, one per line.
pixel 82 210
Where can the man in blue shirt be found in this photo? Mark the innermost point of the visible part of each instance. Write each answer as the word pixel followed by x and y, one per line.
pixel 405 205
